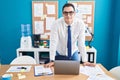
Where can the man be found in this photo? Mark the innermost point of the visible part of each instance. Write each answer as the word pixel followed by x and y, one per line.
pixel 63 47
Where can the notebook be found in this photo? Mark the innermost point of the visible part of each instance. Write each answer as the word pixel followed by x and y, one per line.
pixel 67 67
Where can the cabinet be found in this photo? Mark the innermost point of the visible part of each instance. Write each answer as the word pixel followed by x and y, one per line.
pixel 36 52
pixel 91 53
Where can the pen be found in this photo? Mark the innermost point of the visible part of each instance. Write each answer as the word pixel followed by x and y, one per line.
pixel 21 68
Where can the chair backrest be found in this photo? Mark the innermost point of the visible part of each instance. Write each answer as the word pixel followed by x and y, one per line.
pixel 24 60
pixel 116 72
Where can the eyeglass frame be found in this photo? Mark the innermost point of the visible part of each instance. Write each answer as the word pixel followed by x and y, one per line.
pixel 70 13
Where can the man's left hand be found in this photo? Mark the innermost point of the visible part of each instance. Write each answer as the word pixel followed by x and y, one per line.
pixel 89 64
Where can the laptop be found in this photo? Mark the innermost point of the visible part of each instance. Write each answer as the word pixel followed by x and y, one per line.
pixel 67 67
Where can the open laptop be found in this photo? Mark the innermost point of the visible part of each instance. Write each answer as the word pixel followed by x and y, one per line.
pixel 67 67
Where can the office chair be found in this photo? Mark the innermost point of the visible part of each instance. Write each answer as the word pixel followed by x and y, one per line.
pixel 115 72
pixel 23 60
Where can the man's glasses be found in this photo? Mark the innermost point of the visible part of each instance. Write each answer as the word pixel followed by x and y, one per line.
pixel 66 13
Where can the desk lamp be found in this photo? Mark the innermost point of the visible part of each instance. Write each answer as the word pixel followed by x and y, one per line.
pixel 89 42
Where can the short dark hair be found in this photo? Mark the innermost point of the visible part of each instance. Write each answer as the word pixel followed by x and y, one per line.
pixel 68 5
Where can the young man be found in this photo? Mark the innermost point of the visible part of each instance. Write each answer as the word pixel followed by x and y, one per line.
pixel 65 43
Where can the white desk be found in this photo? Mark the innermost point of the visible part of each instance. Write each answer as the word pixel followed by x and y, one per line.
pixel 91 53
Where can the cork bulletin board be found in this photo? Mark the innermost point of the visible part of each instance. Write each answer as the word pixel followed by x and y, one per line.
pixel 43 14
pixel 85 11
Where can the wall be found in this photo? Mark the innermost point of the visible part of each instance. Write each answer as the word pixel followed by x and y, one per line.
pixel 119 51
pixel 115 57
pixel 102 34
pixel 15 12
pixel 12 14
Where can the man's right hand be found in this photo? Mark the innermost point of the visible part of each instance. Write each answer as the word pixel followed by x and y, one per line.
pixel 50 64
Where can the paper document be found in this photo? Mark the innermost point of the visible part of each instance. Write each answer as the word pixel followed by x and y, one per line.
pixel 38 10
pixel 91 71
pixel 50 9
pixel 100 77
pixel 40 70
pixel 94 73
pixel 19 69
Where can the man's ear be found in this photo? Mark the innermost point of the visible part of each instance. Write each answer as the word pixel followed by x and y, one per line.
pixel 74 13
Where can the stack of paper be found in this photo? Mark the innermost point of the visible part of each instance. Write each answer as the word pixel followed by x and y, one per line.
pixel 94 73
pixel 91 71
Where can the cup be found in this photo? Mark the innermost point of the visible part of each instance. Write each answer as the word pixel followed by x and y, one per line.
pixel 6 77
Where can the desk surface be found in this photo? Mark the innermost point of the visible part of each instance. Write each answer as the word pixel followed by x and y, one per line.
pixel 30 75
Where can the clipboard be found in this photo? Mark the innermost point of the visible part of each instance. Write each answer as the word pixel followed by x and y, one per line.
pixel 41 71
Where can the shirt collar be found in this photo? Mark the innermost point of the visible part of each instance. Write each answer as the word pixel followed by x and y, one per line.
pixel 66 25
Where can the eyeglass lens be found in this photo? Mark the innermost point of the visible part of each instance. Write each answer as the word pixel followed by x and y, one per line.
pixel 70 13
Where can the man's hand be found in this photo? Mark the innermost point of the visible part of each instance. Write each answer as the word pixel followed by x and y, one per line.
pixel 89 64
pixel 50 64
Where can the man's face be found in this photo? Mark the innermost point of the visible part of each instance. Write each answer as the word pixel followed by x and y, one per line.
pixel 68 14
